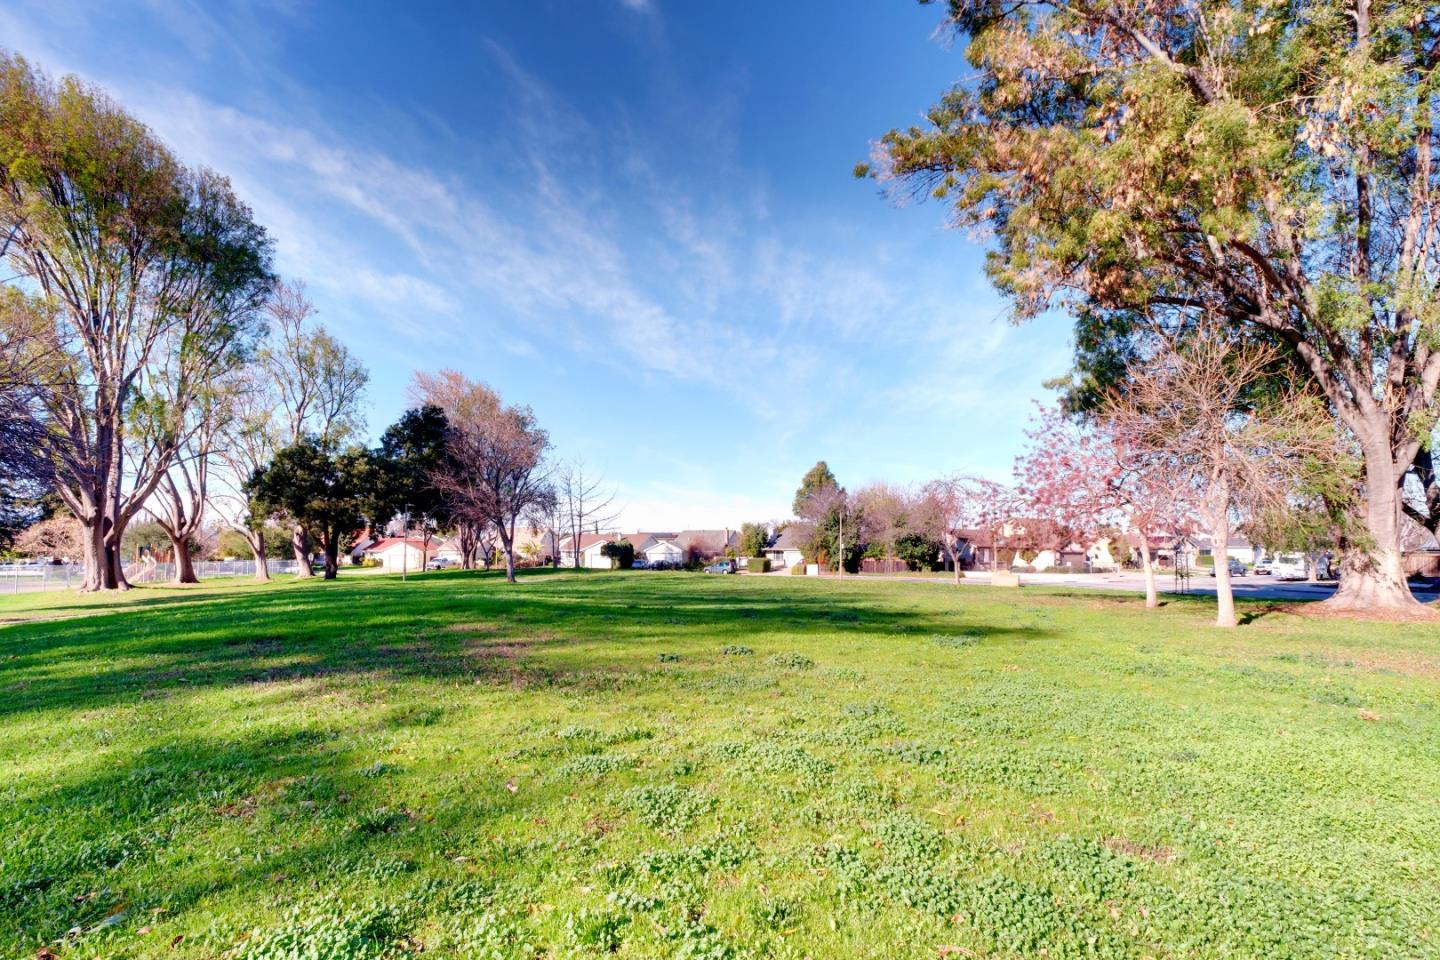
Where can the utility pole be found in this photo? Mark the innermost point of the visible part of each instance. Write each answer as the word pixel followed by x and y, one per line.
pixel 405 547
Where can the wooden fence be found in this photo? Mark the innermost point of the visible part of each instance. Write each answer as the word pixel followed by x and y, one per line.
pixel 887 565
pixel 1426 564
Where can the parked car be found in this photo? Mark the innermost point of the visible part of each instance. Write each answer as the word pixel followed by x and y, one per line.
pixel 1290 566
pixel 1237 569
pixel 439 563
pixel 640 563
pixel 721 566
pixel 1262 567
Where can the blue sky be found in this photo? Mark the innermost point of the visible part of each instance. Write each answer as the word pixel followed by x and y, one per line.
pixel 637 216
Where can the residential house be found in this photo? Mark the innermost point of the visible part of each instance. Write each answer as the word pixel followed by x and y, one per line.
pixel 1167 550
pixel 537 543
pixel 402 553
pixel 1236 548
pixel 361 541
pixel 788 548
pixel 663 550
pixel 702 545
pixel 590 549
pixel 1033 545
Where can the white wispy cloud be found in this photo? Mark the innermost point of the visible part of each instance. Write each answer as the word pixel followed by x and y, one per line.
pixel 566 237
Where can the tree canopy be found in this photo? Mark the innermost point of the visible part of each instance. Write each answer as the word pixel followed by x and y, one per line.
pixel 145 279
pixel 325 490
pixel 1271 165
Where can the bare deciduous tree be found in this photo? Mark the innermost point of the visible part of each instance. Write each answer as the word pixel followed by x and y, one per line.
pixel 59 537
pixel 497 472
pixel 582 503
pixel 1088 481
pixel 184 490
pixel 302 383
pixel 1196 407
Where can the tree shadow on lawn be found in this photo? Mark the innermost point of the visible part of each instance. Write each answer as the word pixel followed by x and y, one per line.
pixel 302 807
pixel 447 627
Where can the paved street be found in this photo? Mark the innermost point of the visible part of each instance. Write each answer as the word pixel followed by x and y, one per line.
pixel 1252 587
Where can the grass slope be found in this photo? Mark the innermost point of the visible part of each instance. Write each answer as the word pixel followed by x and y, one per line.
pixel 669 765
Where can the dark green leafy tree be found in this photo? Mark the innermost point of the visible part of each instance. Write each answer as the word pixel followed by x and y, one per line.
pixel 920 552
pixel 816 490
pixel 621 554
pixel 1272 165
pixel 413 450
pixel 834 522
pixel 147 537
pixel 754 538
pixel 325 490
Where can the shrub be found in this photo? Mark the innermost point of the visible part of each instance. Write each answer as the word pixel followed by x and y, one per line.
pixel 797 570
pixel 736 650
pixel 791 661
pixel 757 565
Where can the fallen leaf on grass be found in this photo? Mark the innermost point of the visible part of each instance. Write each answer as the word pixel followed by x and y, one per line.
pixel 510 785
pixel 1369 716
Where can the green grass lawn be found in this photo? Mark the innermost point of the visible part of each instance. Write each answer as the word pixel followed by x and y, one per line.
pixel 672 765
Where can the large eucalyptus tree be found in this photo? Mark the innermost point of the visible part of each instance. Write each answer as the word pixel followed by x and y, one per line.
pixel 150 277
pixel 1270 163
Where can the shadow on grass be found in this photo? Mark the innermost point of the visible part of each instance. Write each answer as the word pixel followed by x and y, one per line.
pixel 104 836
pixel 454 626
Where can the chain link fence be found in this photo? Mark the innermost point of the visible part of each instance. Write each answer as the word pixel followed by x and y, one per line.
pixel 35 577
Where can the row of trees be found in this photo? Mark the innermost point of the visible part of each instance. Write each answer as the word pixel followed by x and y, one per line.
pixel 154 369
pixel 460 460
pixel 1203 437
pixel 1268 172
pixel 922 526
pixel 139 284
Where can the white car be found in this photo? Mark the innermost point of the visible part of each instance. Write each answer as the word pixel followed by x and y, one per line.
pixel 1290 566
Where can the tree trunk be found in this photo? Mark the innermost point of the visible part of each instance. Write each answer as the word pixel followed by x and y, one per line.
pixel 95 561
pixel 256 540
pixel 508 542
pixel 1224 596
pixel 1372 573
pixel 300 544
pixel 184 565
pixel 112 575
pixel 1152 597
pixel 332 556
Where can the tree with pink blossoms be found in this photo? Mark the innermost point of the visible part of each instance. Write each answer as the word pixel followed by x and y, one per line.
pixel 1085 479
